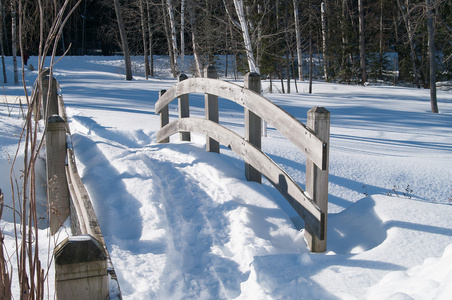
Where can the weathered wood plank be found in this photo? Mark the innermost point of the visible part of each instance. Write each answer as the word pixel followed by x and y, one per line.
pixel 253 127
pixel 316 179
pixel 184 109
pixel 299 200
pixel 57 190
pixel 211 107
pixel 164 117
pixel 50 100
pixel 88 223
pixel 300 135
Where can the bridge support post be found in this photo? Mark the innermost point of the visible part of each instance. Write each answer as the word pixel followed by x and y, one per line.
pixel 81 269
pixel 57 189
pixel 49 104
pixel 316 179
pixel 253 129
pixel 211 104
pixel 164 117
pixel 184 110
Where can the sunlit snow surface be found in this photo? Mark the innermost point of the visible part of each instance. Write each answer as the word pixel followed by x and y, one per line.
pixel 181 223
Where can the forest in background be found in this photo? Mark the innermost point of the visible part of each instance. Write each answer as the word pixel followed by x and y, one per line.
pixel 349 40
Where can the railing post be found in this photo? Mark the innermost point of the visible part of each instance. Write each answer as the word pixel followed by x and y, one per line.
pixel 50 105
pixel 316 179
pixel 253 127
pixel 211 104
pixel 57 188
pixel 81 269
pixel 164 117
pixel 184 110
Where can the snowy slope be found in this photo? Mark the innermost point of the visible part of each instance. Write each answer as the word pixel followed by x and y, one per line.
pixel 182 223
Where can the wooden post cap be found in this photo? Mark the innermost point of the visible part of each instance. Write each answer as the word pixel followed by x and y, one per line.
pixel 78 249
pixel 182 77
pixel 320 111
pixel 210 72
pixel 55 119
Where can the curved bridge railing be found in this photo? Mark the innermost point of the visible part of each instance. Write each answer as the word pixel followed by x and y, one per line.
pixel 312 140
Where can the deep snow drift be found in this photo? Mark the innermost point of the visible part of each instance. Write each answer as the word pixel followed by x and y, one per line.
pixel 183 223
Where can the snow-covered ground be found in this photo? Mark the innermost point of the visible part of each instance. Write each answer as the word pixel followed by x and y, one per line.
pixel 184 223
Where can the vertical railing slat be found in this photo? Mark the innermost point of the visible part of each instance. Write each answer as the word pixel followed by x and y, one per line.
pixel 212 114
pixel 316 179
pixel 184 110
pixel 164 117
pixel 253 129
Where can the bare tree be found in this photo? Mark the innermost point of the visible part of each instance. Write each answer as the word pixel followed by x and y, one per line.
pixel 145 44
pixel 5 276
pixel 323 10
pixel 194 35
pixel 14 40
pixel 151 47
pixel 298 39
pixel 5 80
pixel 173 35
pixel 182 35
pixel 31 274
pixel 246 36
pixel 405 11
pixel 432 59
pixel 362 53
pixel 124 43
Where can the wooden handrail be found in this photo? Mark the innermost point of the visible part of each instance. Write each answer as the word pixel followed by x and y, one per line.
pixel 76 277
pixel 312 140
pixel 303 137
pixel 298 199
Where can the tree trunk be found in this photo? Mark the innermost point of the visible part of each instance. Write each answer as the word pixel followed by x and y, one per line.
pixel 324 37
pixel 182 33
pixel 83 30
pixel 409 29
pixel 14 41
pixel 4 26
pixel 194 39
pixel 145 45
pixel 310 61
pixel 151 51
pixel 281 77
pixel 431 52
pixel 288 71
pixel 343 36
pixel 362 54
pixel 310 52
pixel 234 49
pixel 288 52
pixel 125 45
pixel 173 35
pixel 298 39
pixel 168 40
pixel 5 80
pixel 258 43
pixel 246 37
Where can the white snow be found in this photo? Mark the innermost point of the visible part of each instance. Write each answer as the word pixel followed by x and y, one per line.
pixel 182 223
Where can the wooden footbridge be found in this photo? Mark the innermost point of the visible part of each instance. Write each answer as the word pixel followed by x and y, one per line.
pixel 82 261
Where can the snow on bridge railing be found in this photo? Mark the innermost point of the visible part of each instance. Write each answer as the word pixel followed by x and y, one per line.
pixel 312 140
